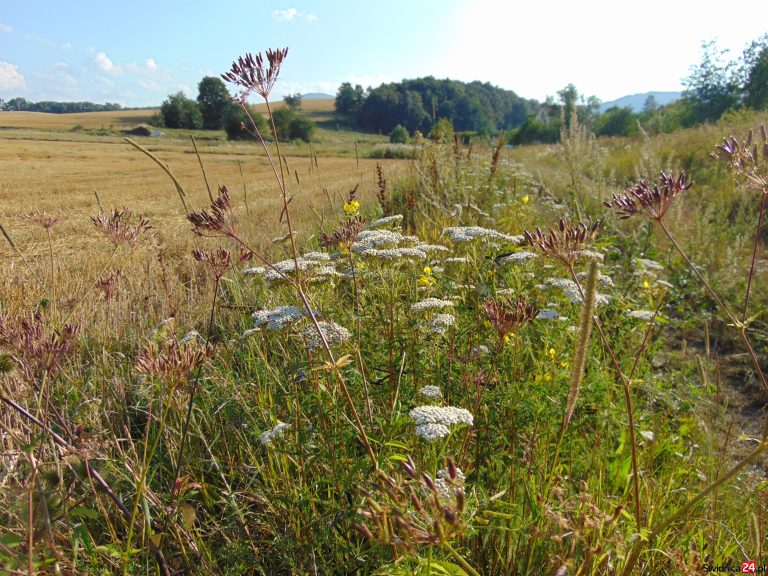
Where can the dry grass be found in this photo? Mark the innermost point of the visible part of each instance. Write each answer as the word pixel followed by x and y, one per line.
pixel 89 120
pixel 59 172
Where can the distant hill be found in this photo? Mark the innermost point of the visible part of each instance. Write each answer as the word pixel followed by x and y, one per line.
pixel 317 96
pixel 637 101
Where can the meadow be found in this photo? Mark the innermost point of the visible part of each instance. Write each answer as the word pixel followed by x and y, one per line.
pixel 463 363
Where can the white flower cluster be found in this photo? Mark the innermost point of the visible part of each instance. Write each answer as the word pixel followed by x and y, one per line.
pixel 404 253
pixel 550 315
pixel 591 255
pixel 431 392
pixel 446 488
pixel 646 315
pixel 386 221
pixel 433 422
pixel 601 278
pixel 571 291
pixel 333 333
pixel 517 257
pixel 460 234
pixel 457 260
pixel 439 323
pixel 430 304
pixel 269 435
pixel 280 317
pixel 284 268
pixel 480 350
pixel 191 336
pixel 369 239
pixel 647 264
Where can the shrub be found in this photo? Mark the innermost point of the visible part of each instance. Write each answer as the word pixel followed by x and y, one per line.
pixel 399 135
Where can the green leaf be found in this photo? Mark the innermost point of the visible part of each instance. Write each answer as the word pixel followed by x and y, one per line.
pixel 84 512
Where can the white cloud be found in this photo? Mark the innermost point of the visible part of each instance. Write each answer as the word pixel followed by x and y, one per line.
pixel 5 29
pixel 290 14
pixel 10 78
pixel 151 85
pixel 47 42
pixel 105 64
pixel 151 64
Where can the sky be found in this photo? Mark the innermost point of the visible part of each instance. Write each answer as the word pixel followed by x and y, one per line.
pixel 137 53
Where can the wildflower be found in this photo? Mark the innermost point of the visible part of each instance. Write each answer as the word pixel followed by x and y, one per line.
pixel 269 435
pixel 278 318
pixel 646 315
pixel 745 158
pixel 646 284
pixel 549 314
pixel 386 221
pixel 351 208
pixel 506 315
pixel 43 219
pixel 404 254
pixel 249 73
pixel 567 242
pixel 447 481
pixel 332 333
pixel 426 280
pixel 552 353
pixel 459 234
pixel 433 422
pixel 431 392
pixel 653 202
pixel 516 258
pixel 430 304
pixel 647 264
pixel 439 323
pixel 220 221
pixel 345 235
pixel 369 239
pixel 524 199
pixel 117 229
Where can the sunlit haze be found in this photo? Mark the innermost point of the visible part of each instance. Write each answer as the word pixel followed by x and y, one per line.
pixel 138 53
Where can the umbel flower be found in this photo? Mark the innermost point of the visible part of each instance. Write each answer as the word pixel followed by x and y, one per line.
pixel 117 228
pixel 744 158
pixel 567 242
pixel 506 315
pixel 249 73
pixel 653 202
pixel 220 221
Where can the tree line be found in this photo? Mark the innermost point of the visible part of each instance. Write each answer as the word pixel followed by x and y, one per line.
pixel 51 107
pixel 714 87
pixel 214 110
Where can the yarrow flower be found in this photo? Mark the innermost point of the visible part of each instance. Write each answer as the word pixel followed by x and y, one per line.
pixel 447 481
pixel 430 304
pixel 433 422
pixel 439 323
pixel 269 435
pixel 332 332
pixel 386 221
pixel 431 392
pixel 646 315
pixel 459 234
pixel 516 258
pixel 280 317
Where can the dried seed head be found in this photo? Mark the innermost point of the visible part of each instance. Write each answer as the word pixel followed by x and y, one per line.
pixel 745 159
pixel 653 202
pixel 566 242
pixel 43 219
pixel 249 73
pixel 506 316
pixel 345 235
pixel 118 229
pixel 220 221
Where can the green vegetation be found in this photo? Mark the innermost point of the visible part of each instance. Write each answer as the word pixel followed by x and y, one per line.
pixel 533 361
pixel 399 135
pixel 22 105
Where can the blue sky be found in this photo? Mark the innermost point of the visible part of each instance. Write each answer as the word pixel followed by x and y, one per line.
pixel 138 52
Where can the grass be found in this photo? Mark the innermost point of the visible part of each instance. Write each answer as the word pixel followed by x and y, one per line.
pixel 412 413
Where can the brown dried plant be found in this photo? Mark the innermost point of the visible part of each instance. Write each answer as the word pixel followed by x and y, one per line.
pixel 345 234
pixel 220 260
pixel 220 221
pixel 507 315
pixel 43 219
pixel 745 159
pixel 249 73
pixel 36 351
pixel 170 361
pixel 567 242
pixel 411 509
pixel 652 202
pixel 109 284
pixel 118 229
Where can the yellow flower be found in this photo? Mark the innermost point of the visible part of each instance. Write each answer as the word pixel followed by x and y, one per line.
pixel 426 279
pixel 524 199
pixel 507 339
pixel 351 208
pixel 427 270
pixel 646 285
pixel 547 377
pixel 552 353
pixel 343 249
pixel 538 378
pixel 487 323
pixel 564 364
